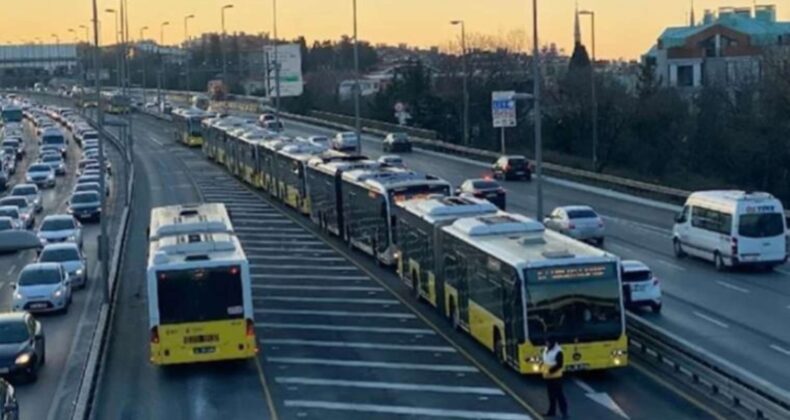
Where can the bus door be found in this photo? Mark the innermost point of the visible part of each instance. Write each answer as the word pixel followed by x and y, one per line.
pixel 513 312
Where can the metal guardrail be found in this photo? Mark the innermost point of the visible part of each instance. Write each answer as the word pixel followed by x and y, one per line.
pixel 735 388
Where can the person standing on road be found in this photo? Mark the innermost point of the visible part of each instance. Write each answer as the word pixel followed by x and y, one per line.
pixel 553 367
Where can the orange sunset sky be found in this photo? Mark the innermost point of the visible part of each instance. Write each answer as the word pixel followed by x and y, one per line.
pixel 625 28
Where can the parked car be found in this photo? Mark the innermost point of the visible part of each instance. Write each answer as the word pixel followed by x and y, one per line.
pixel 512 167
pixel 69 256
pixel 40 174
pixel 31 192
pixel 85 205
pixel 396 142
pixel 42 287
pixel 27 211
pixel 22 351
pixel 486 189
pixel 60 228
pixel 345 141
pixel 640 286
pixel 578 222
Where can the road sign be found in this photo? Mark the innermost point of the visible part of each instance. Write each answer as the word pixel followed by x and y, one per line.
pixel 503 108
pixel 289 59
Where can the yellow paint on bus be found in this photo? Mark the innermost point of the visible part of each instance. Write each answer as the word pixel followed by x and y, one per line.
pixel 203 342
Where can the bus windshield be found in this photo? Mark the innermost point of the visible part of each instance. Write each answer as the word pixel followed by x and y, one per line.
pixel 200 295
pixel 575 303
pixel 761 225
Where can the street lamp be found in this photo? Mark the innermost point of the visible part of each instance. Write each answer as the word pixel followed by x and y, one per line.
pixel 276 64
pixel 144 57
pixel 593 90
pixel 186 47
pixel 465 79
pixel 222 43
pixel 117 47
pixel 87 34
pixel 57 52
pixel 357 93
pixel 538 129
pixel 161 59
pixel 72 31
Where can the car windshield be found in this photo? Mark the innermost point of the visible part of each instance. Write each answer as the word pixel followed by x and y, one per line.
pixel 88 179
pixel 89 186
pixel 39 276
pixel 485 185
pixel 6 224
pixel 24 190
pixel 636 275
pixel 582 214
pixel 761 225
pixel 57 224
pixel 13 331
pixel 10 212
pixel 517 162
pixel 59 255
pixel 56 140
pixel 51 158
pixel 85 197
pixel 39 168
pixel 20 202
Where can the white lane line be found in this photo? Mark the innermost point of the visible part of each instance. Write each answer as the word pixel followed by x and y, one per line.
pixel 368 364
pixel 318 288
pixel 304 267
pixel 711 320
pixel 782 350
pixel 409 411
pixel 292 256
pixel 283 244
pixel 357 345
pixel 347 328
pixel 670 265
pixel 344 300
pixel 266 250
pixel 263 230
pixel 394 315
pixel 307 277
pixel 732 287
pixel 158 143
pixel 11 269
pixel 398 386
pixel 583 385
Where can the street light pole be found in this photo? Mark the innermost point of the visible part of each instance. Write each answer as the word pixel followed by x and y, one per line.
pixel 465 79
pixel 144 58
pixel 117 47
pixel 222 43
pixel 161 83
pixel 57 52
pixel 276 64
pixel 103 243
pixel 593 90
pixel 538 129
pixel 357 93
pixel 186 48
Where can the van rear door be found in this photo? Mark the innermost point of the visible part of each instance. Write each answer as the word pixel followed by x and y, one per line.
pixel 761 235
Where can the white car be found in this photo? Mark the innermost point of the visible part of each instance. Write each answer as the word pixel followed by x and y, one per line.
pixel 55 161
pixel 320 141
pixel 60 228
pixel 42 287
pixel 640 287
pixel 69 256
pixel 31 192
pixel 578 222
pixel 12 212
pixel 27 211
pixel 40 174
pixel 392 160
pixel 345 141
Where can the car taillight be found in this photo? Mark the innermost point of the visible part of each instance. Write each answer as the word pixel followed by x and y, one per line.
pixel 734 246
pixel 250 328
pixel 155 335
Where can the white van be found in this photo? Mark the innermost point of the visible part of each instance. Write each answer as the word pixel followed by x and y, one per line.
pixel 732 228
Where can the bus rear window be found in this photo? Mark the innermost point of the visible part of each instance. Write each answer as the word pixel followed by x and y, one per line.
pixel 200 295
pixel 761 225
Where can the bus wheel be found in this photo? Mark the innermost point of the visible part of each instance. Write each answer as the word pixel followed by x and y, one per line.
pixel 499 348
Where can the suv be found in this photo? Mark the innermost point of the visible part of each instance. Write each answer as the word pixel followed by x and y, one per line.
pixel 512 167
pixel 640 286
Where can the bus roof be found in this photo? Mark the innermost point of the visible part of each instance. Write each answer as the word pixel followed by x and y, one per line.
pixel 443 208
pixel 195 247
pixel 300 151
pixel 522 242
pixel 386 178
pixel 189 218
pixel 332 161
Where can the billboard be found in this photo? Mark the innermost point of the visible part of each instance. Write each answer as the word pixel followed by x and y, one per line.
pixel 289 59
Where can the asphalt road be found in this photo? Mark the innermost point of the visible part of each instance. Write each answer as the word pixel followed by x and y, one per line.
pixel 339 336
pixel 67 335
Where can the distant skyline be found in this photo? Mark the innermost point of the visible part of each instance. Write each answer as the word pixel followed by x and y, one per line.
pixel 625 28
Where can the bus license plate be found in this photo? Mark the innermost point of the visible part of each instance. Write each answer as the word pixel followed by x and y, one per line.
pixel 204 350
pixel 200 339
pixel 38 306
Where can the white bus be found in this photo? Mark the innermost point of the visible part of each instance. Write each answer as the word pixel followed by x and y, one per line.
pixel 732 228
pixel 183 219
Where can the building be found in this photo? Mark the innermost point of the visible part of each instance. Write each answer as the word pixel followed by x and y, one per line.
pixel 725 49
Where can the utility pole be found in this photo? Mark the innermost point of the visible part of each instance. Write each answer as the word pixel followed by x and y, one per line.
pixel 357 121
pixel 593 91
pixel 144 59
pixel 465 79
pixel 186 49
pixel 222 43
pixel 276 64
pixel 538 129
pixel 103 243
pixel 161 81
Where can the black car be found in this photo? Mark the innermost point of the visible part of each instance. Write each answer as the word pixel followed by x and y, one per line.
pixel 396 142
pixel 512 167
pixel 10 407
pixel 21 345
pixel 485 189
pixel 85 205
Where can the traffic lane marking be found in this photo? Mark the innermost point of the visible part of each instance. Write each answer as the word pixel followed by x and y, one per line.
pixel 671 265
pixel 415 412
pixel 327 300
pixel 393 315
pixel 343 328
pixel 394 386
pixel 302 343
pixel 732 287
pixel 780 349
pixel 373 364
pixel 710 319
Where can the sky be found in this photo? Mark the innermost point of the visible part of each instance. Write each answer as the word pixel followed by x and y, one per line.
pixel 624 28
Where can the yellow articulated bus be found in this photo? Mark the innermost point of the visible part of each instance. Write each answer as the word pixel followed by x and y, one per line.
pixel 199 291
pixel 290 164
pixel 189 128
pixel 510 284
pixel 218 137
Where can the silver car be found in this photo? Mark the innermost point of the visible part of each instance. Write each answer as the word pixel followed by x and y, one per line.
pixel 31 192
pixel 578 222
pixel 42 287
pixel 40 174
pixel 60 228
pixel 12 212
pixel 55 161
pixel 27 212
pixel 69 256
pixel 345 141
